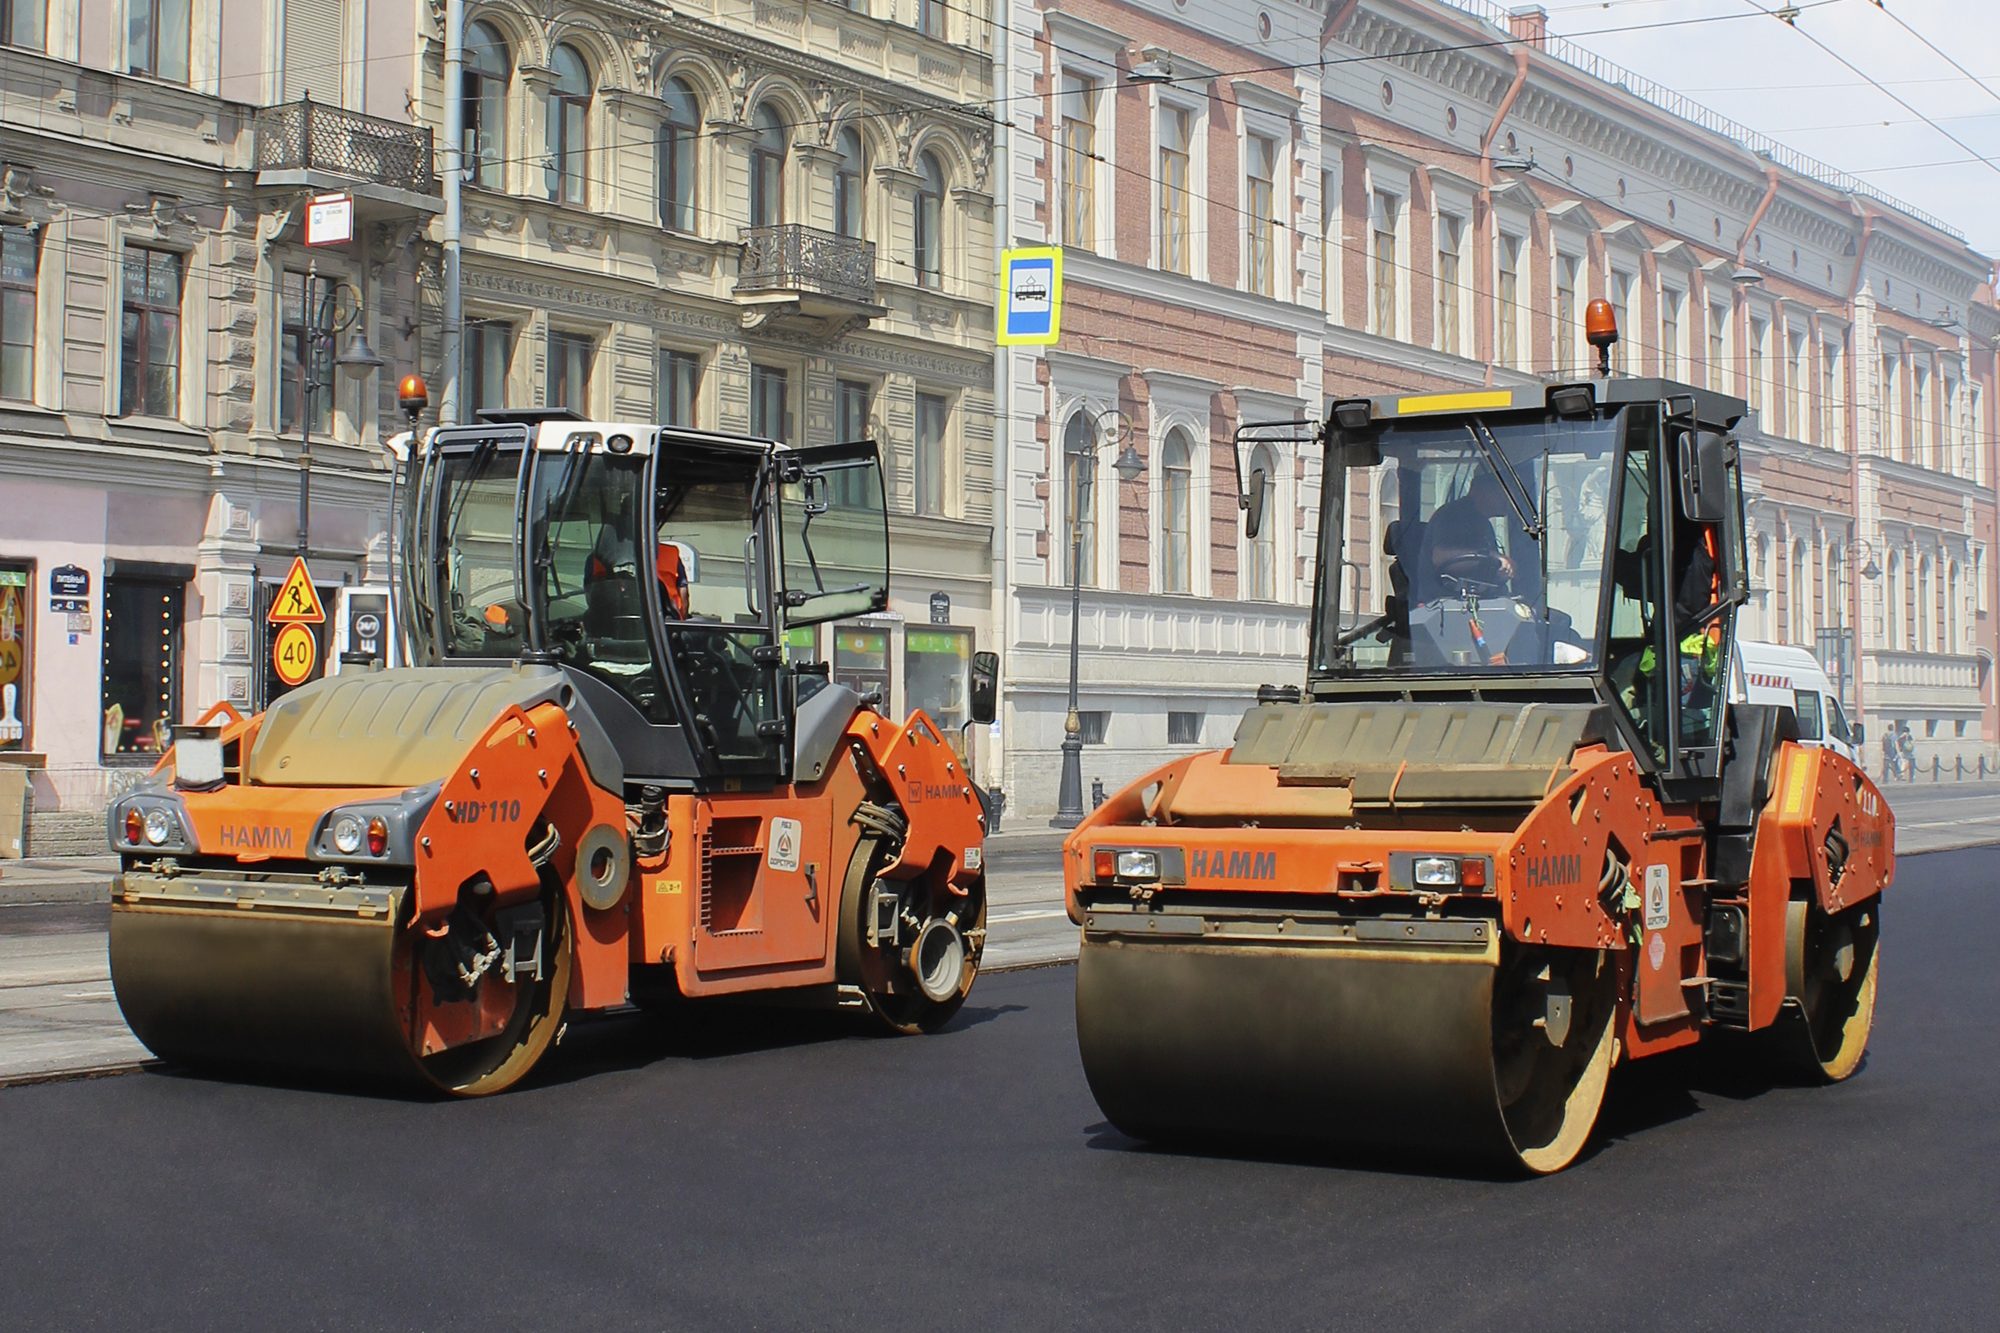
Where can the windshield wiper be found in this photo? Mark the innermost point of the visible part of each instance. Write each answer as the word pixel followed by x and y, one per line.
pixel 1509 479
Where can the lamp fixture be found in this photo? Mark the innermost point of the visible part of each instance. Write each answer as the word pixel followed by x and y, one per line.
pixel 359 358
pixel 1155 66
pixel 1514 164
pixel 1745 276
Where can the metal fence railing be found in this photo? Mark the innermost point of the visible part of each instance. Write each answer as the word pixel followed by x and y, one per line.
pixel 307 135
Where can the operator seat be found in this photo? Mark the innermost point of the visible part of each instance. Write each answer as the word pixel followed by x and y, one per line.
pixel 1401 541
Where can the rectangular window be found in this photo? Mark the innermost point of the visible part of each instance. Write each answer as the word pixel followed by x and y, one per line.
pixel 1921 426
pixel 930 18
pixel 1079 160
pixel 305 341
pixel 1384 219
pixel 156 38
pixel 149 334
pixel 1450 238
pixel 1260 192
pixel 1568 343
pixel 1892 403
pixel 23 23
pixel 1800 388
pixel 933 421
pixel 1672 304
pixel 770 403
pixel 1832 396
pixel 853 402
pixel 1331 248
pixel 1621 310
pixel 1176 129
pixel 1091 724
pixel 861 660
pixel 570 355
pixel 1509 301
pixel 1760 337
pixel 676 384
pixel 18 259
pixel 1718 347
pixel 1184 728
pixel 17 600
pixel 142 662
pixel 489 350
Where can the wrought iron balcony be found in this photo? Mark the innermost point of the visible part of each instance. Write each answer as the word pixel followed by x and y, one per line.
pixel 308 137
pixel 805 262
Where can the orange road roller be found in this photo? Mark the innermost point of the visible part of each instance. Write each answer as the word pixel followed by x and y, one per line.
pixel 1510 831
pixel 605 779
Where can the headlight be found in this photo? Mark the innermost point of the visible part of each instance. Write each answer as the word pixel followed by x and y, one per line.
pixel 159 826
pixel 1436 872
pixel 1138 865
pixel 347 834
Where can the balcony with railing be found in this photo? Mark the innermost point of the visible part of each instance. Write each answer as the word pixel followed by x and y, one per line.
pixel 328 148
pixel 790 272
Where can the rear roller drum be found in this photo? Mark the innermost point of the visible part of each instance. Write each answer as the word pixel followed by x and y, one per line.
pixel 912 950
pixel 1830 970
pixel 1552 1046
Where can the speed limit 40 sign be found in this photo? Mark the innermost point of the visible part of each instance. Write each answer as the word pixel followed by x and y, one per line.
pixel 293 654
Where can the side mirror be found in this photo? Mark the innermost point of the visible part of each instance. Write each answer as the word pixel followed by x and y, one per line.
pixel 985 687
pixel 1253 503
pixel 1858 731
pixel 1705 460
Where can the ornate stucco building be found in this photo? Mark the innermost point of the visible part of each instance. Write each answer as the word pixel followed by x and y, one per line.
pixel 1266 207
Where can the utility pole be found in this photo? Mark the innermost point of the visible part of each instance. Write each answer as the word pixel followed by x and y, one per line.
pixel 454 178
pixel 308 349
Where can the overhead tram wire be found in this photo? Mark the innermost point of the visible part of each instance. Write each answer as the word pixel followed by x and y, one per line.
pixel 1940 52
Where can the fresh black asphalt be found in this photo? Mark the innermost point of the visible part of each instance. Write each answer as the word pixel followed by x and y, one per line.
pixel 785 1173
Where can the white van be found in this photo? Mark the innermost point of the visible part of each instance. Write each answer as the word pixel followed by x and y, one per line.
pixel 1774 673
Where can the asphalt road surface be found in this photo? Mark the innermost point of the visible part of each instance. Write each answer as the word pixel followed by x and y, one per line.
pixel 771 1173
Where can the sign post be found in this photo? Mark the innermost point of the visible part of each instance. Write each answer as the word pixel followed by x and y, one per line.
pixel 1030 296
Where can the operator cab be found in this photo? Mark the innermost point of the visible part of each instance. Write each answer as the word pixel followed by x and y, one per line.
pixel 1577 541
pixel 659 568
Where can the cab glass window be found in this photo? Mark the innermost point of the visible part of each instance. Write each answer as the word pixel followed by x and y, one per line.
pixel 588 571
pixel 1807 708
pixel 478 599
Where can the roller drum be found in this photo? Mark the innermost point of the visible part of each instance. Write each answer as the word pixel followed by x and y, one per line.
pixel 1414 1051
pixel 262 989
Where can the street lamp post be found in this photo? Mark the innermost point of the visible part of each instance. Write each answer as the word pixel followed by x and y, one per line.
pixel 1129 467
pixel 320 323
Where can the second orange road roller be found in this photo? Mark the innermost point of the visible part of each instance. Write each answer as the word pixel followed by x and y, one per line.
pixel 1510 832
pixel 604 779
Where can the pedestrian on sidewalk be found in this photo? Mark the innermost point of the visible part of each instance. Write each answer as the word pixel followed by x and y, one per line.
pixel 1892 756
pixel 1908 745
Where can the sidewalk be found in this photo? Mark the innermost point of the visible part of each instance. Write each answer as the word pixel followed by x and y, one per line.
pixel 57 879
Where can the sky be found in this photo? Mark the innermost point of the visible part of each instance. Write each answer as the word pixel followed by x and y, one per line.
pixel 1769 76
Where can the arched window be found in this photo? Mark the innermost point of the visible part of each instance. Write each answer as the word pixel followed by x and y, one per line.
pixel 767 168
pixel 850 172
pixel 1925 609
pixel 678 133
pixel 1952 642
pixel 930 221
pixel 488 66
pixel 569 103
pixel 1176 513
pixel 1260 573
pixel 1801 595
pixel 1079 508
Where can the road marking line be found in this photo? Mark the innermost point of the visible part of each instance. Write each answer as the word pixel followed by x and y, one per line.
pixel 1037 914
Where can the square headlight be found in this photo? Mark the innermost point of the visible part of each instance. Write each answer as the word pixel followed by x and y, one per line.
pixel 1138 865
pixel 1435 872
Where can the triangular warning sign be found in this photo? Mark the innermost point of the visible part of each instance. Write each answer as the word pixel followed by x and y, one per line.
pixel 297 603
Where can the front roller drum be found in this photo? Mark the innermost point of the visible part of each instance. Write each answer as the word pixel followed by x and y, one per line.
pixel 1482 1055
pixel 287 991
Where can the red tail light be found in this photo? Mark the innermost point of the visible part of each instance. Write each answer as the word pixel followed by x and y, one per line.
pixel 1104 864
pixel 378 836
pixel 1472 873
pixel 135 826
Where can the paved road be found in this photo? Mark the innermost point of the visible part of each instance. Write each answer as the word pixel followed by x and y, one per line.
pixel 777 1176
pixel 57 1013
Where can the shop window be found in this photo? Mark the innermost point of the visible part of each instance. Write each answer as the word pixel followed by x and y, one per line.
pixel 861 660
pixel 1184 728
pixel 935 662
pixel 142 662
pixel 16 602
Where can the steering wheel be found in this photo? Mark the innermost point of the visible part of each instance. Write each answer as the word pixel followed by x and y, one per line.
pixel 1477 569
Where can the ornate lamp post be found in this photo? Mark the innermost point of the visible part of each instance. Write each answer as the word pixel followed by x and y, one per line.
pixel 1129 467
pixel 321 322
